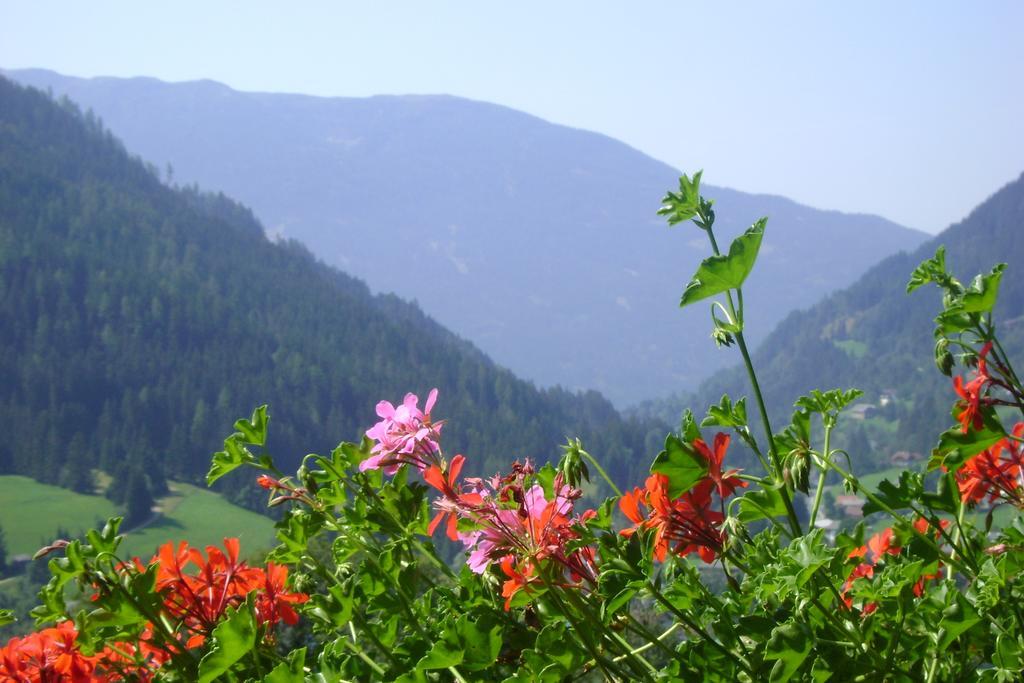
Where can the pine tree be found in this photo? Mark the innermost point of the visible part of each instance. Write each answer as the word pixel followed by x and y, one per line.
pixel 138 499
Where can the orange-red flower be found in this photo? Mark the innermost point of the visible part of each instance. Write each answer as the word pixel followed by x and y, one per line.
pixel 453 498
pixel 518 580
pixel 684 525
pixel 877 547
pixel 727 483
pixel 274 602
pixel 995 473
pixel 971 399
pixel 47 655
pixel 197 590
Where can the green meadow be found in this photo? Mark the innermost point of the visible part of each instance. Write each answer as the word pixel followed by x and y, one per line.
pixel 32 513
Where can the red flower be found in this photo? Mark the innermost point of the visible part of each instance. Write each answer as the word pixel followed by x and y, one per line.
pixel 268 483
pixel 517 580
pixel 995 472
pixel 877 547
pixel 970 394
pixel 197 590
pixel 454 499
pixel 47 655
pixel 684 525
pixel 726 484
pixel 274 602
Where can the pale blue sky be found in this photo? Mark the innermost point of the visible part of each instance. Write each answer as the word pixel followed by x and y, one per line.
pixel 913 110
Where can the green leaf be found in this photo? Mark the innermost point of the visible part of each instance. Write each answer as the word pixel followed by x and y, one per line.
pixel 481 642
pixel 833 400
pixel 896 496
pixel 946 497
pixel 233 638
pixel 764 504
pixel 683 466
pixel 717 274
pixel 726 414
pixel 471 645
pixel 1008 653
pixel 981 296
pixel 789 645
pixel 954 321
pixel 289 671
pixel 445 652
pixel 955 446
pixel 956 619
pixel 820 670
pixel 254 430
pixel 233 456
pixel 6 617
pixel 930 270
pixel 809 553
pixel 689 428
pixel 683 205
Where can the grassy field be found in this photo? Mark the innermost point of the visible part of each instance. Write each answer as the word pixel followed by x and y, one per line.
pixel 31 513
pixel 202 518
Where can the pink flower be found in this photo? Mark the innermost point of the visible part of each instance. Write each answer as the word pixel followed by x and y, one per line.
pixel 405 435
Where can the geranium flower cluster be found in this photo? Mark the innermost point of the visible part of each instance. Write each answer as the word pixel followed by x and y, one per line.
pixel 688 523
pixel 504 520
pixel 47 655
pixel 196 593
pixel 874 551
pixel 404 435
pixel 511 521
pixel 197 590
pixel 995 473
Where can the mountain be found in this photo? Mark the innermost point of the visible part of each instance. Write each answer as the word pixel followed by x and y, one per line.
pixel 537 242
pixel 876 337
pixel 140 320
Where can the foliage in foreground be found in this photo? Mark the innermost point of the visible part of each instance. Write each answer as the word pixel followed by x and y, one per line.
pixel 704 572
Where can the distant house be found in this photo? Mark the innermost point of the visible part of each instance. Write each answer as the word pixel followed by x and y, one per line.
pixel 852 506
pixel 859 411
pixel 904 458
pixel 831 527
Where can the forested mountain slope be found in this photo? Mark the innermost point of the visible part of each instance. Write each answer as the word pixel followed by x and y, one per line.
pixel 138 321
pixel 874 336
pixel 537 242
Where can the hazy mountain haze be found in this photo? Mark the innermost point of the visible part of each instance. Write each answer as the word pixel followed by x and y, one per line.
pixel 537 242
pixel 897 109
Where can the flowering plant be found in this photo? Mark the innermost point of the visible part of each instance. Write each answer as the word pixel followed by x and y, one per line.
pixel 705 572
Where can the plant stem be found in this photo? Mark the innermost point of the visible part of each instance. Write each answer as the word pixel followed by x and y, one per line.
pixel 695 628
pixel 820 490
pixel 612 636
pixel 776 461
pixel 655 641
pixel 604 663
pixel 600 470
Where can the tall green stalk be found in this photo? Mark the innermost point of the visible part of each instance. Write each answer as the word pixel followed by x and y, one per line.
pixel 748 363
pixel 826 454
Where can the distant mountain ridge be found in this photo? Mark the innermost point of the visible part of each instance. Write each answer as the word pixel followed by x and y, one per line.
pixel 537 242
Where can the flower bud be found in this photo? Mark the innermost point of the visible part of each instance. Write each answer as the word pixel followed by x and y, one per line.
pixel 59 544
pixel 572 467
pixel 943 358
